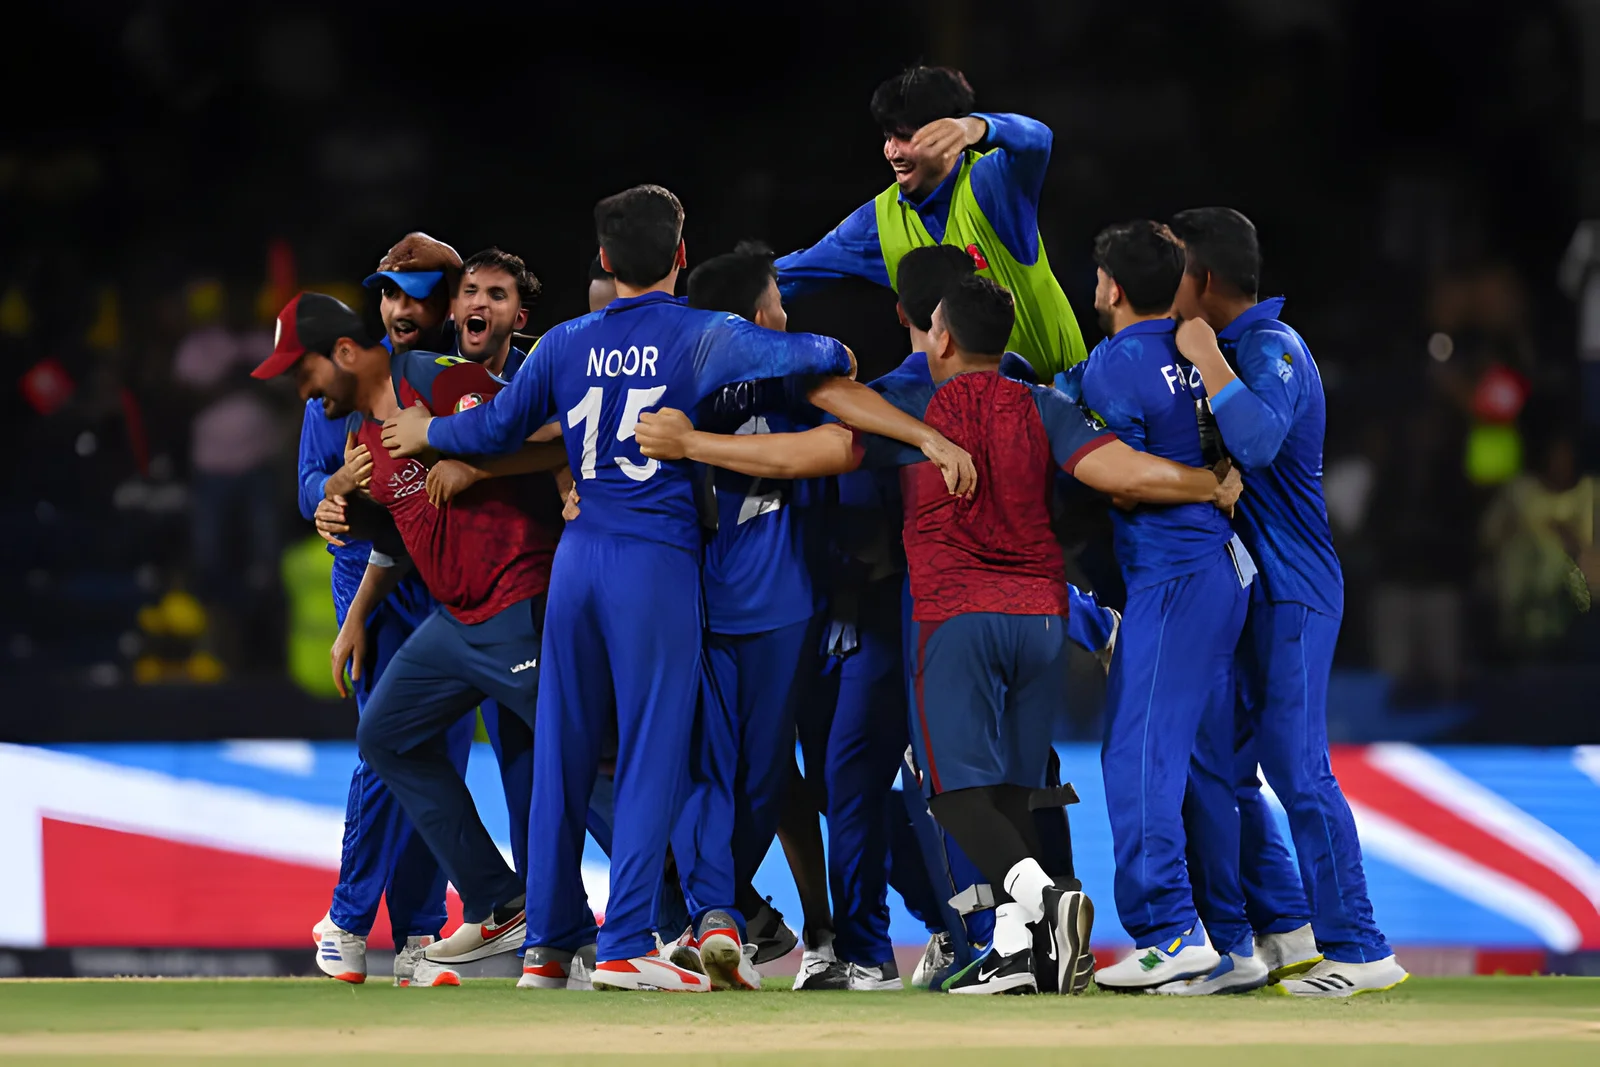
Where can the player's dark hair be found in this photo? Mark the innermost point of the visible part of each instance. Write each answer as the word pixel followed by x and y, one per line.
pixel 639 229
pixel 979 314
pixel 1222 241
pixel 597 271
pixel 924 274
pixel 528 287
pixel 918 95
pixel 1145 259
pixel 735 281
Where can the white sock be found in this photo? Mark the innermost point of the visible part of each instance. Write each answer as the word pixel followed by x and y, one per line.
pixel 1025 883
pixel 1011 933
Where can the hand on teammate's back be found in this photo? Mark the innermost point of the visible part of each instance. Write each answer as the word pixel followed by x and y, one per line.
pixel 663 434
pixel 330 520
pixel 955 463
pixel 406 433
pixel 448 479
pixel 569 510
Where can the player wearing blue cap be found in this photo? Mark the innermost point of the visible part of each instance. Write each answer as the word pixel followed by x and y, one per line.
pixel 1267 396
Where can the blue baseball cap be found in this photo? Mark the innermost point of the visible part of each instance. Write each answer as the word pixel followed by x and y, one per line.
pixel 416 284
pixel 417 264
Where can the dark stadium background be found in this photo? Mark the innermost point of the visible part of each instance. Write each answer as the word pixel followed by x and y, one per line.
pixel 1416 169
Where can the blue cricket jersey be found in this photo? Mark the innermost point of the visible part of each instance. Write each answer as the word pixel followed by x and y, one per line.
pixel 600 372
pixel 1006 184
pixel 321 454
pixel 1272 418
pixel 1145 393
pixel 760 565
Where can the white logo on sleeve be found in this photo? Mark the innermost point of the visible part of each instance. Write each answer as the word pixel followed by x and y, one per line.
pixel 525 665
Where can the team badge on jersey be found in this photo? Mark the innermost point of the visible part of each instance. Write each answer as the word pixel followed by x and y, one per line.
pixel 978 261
pixel 470 400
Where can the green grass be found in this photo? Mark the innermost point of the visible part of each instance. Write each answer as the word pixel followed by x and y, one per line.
pixel 1465 1022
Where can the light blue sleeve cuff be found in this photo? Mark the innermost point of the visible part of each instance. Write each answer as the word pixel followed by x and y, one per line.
pixel 1228 390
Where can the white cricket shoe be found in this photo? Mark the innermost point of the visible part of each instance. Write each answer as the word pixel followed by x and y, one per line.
pixel 555 968
pixel 1149 966
pixel 501 932
pixel 1288 954
pixel 340 954
pixel 650 973
pixel 427 974
pixel 863 979
pixel 682 951
pixel 406 957
pixel 935 958
pixel 1332 979
pixel 821 969
pixel 722 953
pixel 1234 974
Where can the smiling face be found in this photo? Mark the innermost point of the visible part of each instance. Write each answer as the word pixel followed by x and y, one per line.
pixel 487 310
pixel 413 323
pixel 318 377
pixel 916 173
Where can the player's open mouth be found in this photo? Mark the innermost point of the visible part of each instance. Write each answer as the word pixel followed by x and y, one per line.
pixel 403 329
pixel 477 326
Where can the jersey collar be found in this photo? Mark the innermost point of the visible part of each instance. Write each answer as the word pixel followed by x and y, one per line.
pixel 1266 309
pixel 625 303
pixel 1147 326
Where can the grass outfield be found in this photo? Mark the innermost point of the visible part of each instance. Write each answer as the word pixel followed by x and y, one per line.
pixel 1463 1022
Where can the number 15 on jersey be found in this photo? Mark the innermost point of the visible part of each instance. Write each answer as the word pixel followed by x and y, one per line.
pixel 586 413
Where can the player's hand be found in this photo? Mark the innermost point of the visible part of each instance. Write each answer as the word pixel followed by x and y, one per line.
pixel 664 434
pixel 330 520
pixel 945 139
pixel 1229 488
pixel 406 433
pixel 569 510
pixel 448 479
pixel 954 462
pixel 1197 341
pixel 355 474
pixel 350 647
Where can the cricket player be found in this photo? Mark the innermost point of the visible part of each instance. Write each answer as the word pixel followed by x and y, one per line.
pixel 1267 396
pixel 380 857
pixel 989 599
pixel 486 558
pixel 1169 697
pixel 963 179
pixel 625 619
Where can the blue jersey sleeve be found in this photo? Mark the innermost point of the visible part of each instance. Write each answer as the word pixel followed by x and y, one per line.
pixel 1254 412
pixel 849 250
pixel 730 407
pixel 1113 399
pixel 735 350
pixel 1072 436
pixel 321 453
pixel 1007 180
pixel 509 418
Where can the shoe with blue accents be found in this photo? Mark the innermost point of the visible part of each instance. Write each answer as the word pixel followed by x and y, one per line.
pixel 1189 955
pixel 1234 974
pixel 340 954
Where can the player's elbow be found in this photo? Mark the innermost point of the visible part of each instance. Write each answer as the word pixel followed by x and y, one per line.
pixel 1257 450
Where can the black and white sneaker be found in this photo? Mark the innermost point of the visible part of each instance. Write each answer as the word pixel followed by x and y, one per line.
pixel 1069 918
pixel 995 973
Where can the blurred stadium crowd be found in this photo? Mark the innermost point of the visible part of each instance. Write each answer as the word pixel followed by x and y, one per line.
pixel 1411 171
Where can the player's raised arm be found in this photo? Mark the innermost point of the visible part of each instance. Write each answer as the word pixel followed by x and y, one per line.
pixel 1260 410
pixel 497 427
pixel 736 350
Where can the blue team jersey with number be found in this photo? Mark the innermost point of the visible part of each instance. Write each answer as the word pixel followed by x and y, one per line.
pixel 1146 393
pixel 1272 418
pixel 600 372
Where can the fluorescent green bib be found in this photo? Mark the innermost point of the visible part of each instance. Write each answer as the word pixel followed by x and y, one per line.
pixel 1046 333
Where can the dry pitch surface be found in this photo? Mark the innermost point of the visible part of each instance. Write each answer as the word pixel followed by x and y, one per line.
pixel 1534 1022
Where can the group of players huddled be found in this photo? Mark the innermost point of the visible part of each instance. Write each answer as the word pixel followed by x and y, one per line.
pixel 673 538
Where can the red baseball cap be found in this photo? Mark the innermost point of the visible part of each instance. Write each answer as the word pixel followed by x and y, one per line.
pixel 311 322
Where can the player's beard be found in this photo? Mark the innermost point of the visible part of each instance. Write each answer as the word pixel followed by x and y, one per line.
pixel 339 399
pixel 1103 317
